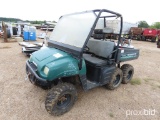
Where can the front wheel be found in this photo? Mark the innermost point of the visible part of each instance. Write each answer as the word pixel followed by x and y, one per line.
pixel 116 79
pixel 128 72
pixel 60 99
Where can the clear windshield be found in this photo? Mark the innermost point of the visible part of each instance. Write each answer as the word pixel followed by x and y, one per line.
pixel 73 29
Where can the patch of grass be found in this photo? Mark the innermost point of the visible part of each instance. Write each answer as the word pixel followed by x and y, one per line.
pixel 111 115
pixel 153 86
pixel 136 81
pixel 158 86
pixel 146 79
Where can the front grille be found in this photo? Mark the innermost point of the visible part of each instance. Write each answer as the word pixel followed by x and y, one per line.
pixel 34 67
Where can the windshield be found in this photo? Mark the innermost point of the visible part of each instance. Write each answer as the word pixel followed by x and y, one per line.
pixel 73 29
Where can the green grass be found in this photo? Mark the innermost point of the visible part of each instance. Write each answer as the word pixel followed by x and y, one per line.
pixel 111 115
pixel 148 79
pixel 136 81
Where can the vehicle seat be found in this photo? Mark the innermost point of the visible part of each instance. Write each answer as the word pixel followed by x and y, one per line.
pixel 98 34
pixel 99 52
pixel 91 59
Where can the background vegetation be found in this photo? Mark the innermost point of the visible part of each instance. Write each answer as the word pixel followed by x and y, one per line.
pixel 17 19
pixel 142 24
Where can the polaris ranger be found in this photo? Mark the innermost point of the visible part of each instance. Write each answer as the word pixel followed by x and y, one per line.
pixel 73 56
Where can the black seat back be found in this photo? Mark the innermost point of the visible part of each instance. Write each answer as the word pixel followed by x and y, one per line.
pixel 101 48
pixel 98 34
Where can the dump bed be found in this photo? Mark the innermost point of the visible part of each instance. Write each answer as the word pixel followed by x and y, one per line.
pixel 150 32
pixel 136 31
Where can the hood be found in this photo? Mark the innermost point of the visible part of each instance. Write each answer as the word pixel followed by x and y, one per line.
pixel 59 63
pixel 49 53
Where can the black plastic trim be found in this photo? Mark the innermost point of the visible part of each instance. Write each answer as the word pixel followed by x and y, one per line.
pixel 75 51
pixel 34 73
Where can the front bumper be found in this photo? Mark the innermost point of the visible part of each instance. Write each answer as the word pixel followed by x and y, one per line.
pixel 32 75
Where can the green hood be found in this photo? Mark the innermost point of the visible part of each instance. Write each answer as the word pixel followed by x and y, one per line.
pixel 60 64
pixel 50 54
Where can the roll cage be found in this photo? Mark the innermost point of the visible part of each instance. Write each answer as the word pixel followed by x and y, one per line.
pixel 78 52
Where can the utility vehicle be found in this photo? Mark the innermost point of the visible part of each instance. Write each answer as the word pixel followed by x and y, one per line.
pixel 74 57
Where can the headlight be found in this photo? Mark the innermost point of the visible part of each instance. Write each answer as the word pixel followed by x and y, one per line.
pixel 46 70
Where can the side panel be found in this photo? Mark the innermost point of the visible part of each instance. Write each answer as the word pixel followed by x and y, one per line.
pixel 107 74
pixel 65 68
pixel 126 54
pixel 83 70
pixel 98 76
pixel 150 32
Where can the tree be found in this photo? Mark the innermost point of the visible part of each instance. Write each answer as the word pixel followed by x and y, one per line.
pixel 9 19
pixel 143 24
pixel 155 25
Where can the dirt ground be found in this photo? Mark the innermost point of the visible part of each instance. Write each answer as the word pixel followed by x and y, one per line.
pixel 20 100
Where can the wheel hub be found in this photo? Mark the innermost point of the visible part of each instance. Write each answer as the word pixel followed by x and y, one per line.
pixel 64 101
pixel 129 75
pixel 117 79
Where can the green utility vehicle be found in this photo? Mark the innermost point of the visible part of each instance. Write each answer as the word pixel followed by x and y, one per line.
pixel 73 57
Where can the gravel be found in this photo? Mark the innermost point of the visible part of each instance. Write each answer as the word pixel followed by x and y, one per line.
pixel 21 100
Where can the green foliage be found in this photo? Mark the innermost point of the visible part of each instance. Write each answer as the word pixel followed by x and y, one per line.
pixel 147 79
pixel 143 24
pixel 16 19
pixel 36 22
pixel 155 25
pixel 9 19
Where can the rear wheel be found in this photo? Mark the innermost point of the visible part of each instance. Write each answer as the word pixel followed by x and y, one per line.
pixel 130 36
pixel 116 79
pixel 139 37
pixel 158 44
pixel 60 99
pixel 128 72
pixel 143 38
pixel 153 39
